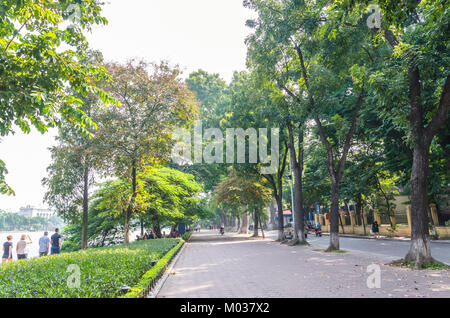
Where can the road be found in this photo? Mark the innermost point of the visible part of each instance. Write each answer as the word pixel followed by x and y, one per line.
pixel 234 266
pixel 392 249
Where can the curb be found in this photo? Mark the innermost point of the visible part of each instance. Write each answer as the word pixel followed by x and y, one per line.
pixel 154 293
pixel 385 238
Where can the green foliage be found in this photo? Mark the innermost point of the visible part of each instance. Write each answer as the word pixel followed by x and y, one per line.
pixel 187 235
pixel 149 278
pixel 13 222
pixel 104 271
pixel 41 56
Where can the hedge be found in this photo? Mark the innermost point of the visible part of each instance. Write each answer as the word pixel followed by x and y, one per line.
pixel 150 278
pixel 103 271
pixel 186 235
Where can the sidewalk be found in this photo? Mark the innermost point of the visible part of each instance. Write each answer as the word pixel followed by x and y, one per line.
pixel 235 266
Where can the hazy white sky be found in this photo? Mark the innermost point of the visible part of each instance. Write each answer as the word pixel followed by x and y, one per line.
pixel 206 34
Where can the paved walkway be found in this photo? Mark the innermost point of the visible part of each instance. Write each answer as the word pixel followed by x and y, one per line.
pixel 232 266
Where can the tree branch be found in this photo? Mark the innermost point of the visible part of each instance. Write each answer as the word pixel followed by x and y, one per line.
pixel 441 114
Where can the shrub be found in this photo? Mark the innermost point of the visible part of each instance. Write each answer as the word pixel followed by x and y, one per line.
pixel 186 235
pixel 104 271
pixel 150 278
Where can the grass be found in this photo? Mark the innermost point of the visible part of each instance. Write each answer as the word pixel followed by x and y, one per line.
pixel 334 251
pixel 141 289
pixel 101 272
pixel 429 266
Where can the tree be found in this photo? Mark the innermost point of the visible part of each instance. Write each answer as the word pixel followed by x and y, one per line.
pixel 245 190
pixel 173 197
pixel 138 133
pixel 272 56
pixel 39 58
pixel 417 82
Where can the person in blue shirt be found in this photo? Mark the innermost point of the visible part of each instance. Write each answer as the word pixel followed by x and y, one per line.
pixel 44 245
pixel 56 242
pixel 7 249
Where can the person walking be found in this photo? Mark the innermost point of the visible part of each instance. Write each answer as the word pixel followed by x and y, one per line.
pixel 55 242
pixel 22 246
pixel 44 245
pixel 375 229
pixel 7 249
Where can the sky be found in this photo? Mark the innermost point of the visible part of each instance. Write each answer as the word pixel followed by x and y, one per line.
pixel 195 34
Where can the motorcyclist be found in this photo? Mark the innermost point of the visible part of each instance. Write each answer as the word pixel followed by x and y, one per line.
pixel 222 230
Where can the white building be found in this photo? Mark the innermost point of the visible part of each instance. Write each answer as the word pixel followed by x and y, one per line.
pixel 30 211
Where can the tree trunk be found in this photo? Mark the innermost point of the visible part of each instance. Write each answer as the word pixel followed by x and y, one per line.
pixel 130 208
pixel 280 219
pixel 334 218
pixel 126 227
pixel 255 223
pixel 358 208
pixel 84 235
pixel 244 224
pixel 238 224
pixel 262 227
pixel 297 167
pixel 420 251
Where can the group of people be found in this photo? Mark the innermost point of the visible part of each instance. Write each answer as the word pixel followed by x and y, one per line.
pixel 46 245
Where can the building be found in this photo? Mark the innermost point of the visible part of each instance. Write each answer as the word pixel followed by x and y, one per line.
pixel 31 212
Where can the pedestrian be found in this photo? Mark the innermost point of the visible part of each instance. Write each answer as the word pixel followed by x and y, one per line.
pixel 7 249
pixel 44 245
pixel 55 242
pixel 151 236
pixel 21 246
pixel 375 229
pixel 145 236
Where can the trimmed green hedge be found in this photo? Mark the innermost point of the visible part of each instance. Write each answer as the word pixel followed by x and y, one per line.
pixel 150 278
pixel 103 271
pixel 186 235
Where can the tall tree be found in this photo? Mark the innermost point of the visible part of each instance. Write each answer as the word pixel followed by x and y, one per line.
pixel 417 82
pixel 42 47
pixel 139 132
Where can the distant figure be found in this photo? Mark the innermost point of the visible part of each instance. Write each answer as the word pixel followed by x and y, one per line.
pixel 375 229
pixel 145 236
pixel 175 234
pixel 44 245
pixel 318 226
pixel 55 243
pixel 21 247
pixel 7 249
pixel 151 236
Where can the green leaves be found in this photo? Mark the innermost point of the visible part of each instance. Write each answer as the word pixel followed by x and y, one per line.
pixel 103 271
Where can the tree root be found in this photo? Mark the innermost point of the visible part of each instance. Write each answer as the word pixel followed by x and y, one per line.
pixel 297 241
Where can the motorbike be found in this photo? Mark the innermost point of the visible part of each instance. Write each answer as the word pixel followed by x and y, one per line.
pixel 319 232
pixel 222 231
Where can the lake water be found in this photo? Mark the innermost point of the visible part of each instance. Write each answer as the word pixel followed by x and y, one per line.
pixel 33 248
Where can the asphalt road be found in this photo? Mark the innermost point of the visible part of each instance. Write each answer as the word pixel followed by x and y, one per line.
pixel 392 249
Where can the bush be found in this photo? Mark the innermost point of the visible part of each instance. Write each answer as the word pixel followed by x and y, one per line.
pixel 150 278
pixel 104 271
pixel 186 235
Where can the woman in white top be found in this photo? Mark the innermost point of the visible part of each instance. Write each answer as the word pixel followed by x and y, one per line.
pixel 21 247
